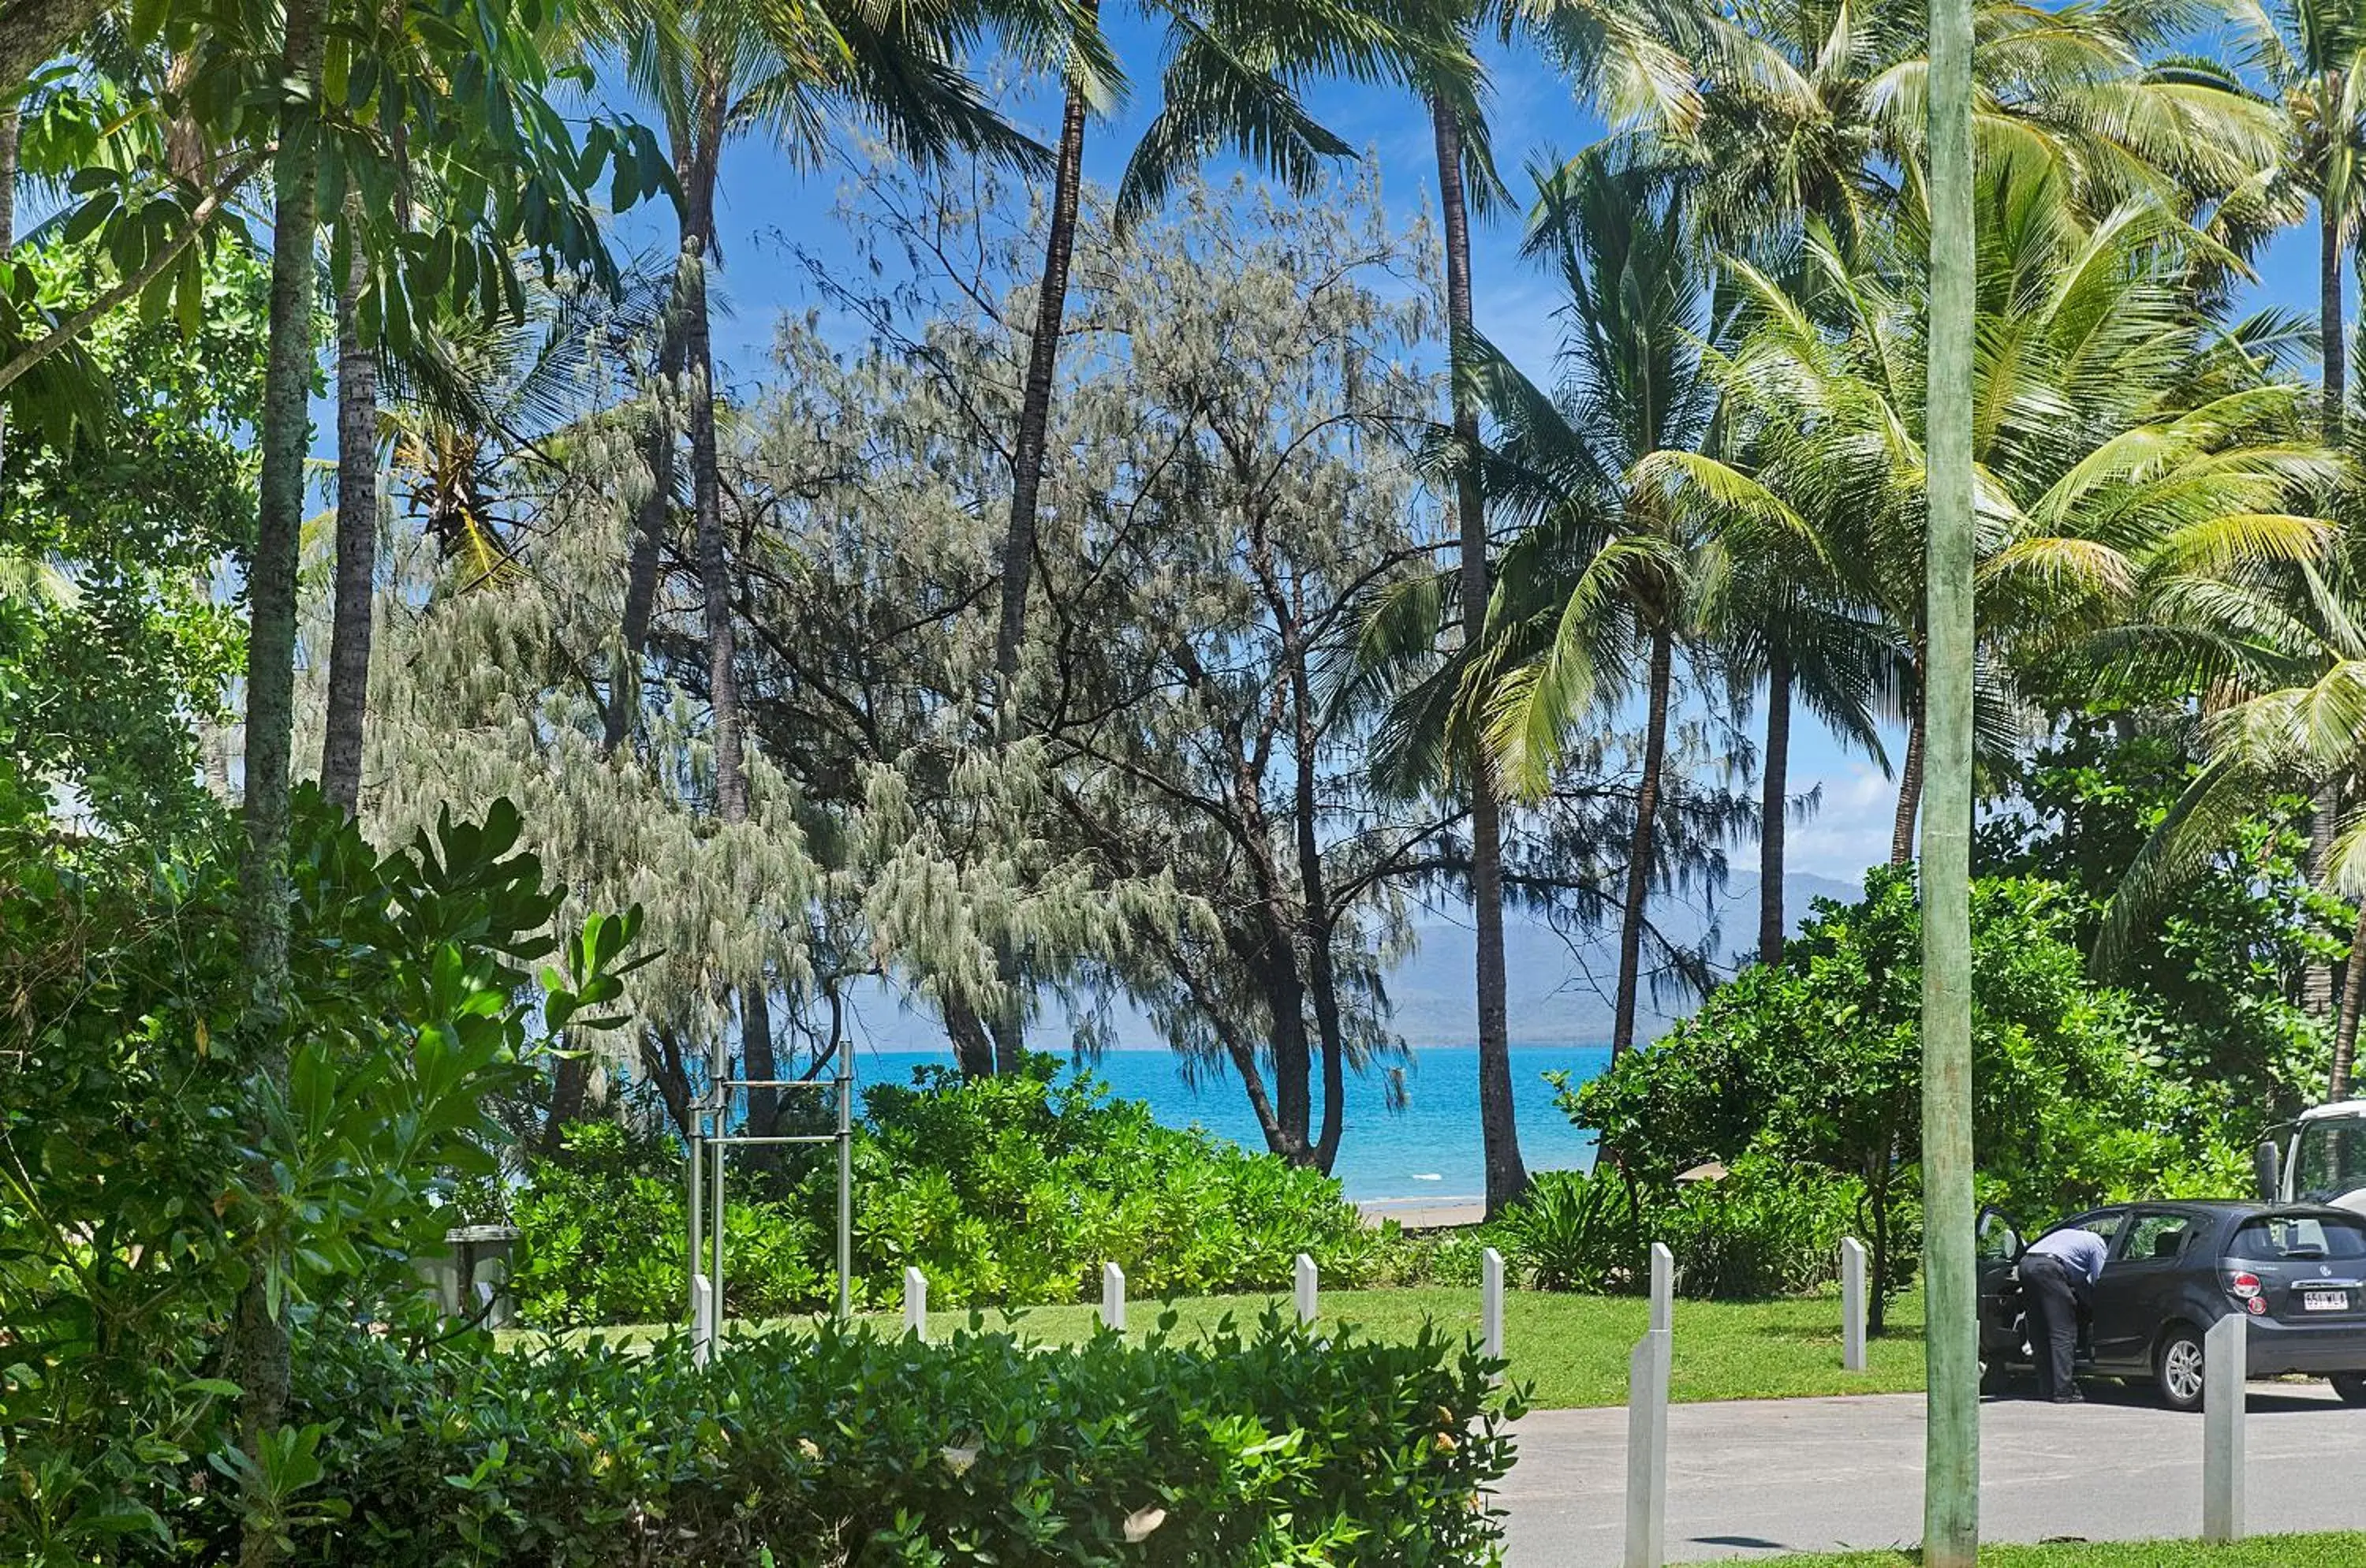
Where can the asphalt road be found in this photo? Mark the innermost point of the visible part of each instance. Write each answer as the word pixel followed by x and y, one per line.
pixel 1755 1477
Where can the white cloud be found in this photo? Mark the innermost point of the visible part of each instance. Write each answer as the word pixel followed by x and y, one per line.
pixel 1851 828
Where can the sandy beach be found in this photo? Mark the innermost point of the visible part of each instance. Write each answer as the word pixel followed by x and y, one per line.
pixel 1424 1214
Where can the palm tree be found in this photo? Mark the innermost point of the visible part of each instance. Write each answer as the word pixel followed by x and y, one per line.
pixel 1815 109
pixel 1624 57
pixel 2311 58
pixel 1780 615
pixel 1600 454
pixel 2282 655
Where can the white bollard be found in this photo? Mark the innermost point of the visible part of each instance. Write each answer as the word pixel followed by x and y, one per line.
pixel 1664 1287
pixel 702 1319
pixel 1647 1450
pixel 1113 1296
pixel 1306 1285
pixel 1490 1303
pixel 2224 1366
pixel 916 1303
pixel 1852 1304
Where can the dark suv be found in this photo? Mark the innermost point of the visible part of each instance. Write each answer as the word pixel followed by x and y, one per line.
pixel 2297 1271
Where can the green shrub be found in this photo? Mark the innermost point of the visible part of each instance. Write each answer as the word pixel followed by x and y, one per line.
pixel 1571 1231
pixel 1011 1190
pixel 1768 1229
pixel 844 1446
pixel 1816 1063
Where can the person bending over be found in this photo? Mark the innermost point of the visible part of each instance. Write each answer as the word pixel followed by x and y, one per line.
pixel 2057 1273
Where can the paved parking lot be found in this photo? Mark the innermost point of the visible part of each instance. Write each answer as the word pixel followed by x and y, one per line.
pixel 1757 1478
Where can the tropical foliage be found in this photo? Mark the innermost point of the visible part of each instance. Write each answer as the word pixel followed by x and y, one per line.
pixel 1108 609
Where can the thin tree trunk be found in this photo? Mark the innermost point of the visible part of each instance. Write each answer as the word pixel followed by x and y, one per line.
pixel 2332 326
pixel 1774 802
pixel 1315 897
pixel 1499 1130
pixel 11 125
pixel 264 898
pixel 2323 828
pixel 2345 1034
pixel 715 569
pixel 1909 795
pixel 349 638
pixel 650 526
pixel 1035 404
pixel 1640 848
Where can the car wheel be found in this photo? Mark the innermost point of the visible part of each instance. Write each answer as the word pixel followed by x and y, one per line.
pixel 2177 1369
pixel 1995 1378
pixel 2350 1386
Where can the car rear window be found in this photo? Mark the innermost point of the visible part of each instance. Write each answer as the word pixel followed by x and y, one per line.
pixel 2279 1240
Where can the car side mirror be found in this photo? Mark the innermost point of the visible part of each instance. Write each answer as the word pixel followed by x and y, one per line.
pixel 2267 1164
pixel 1994 1238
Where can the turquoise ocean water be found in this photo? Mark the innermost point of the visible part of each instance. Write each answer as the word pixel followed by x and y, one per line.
pixel 1428 1148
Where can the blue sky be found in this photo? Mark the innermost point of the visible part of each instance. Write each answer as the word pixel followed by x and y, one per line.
pixel 1533 115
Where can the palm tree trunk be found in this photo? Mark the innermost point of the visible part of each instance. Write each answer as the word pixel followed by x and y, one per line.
pixel 1499 1130
pixel 2332 413
pixel 260 1349
pixel 349 638
pixel 2331 324
pixel 1910 795
pixel 1035 405
pixel 713 567
pixel 650 523
pixel 2323 828
pixel 1640 848
pixel 2344 1033
pixel 1774 801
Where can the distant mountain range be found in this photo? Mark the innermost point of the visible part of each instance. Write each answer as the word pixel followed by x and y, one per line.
pixel 1557 996
pixel 1563 996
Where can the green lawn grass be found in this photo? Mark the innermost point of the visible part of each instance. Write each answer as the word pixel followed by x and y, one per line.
pixel 2261 1551
pixel 1570 1350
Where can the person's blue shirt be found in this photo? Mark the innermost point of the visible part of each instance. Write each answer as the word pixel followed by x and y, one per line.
pixel 2080 1251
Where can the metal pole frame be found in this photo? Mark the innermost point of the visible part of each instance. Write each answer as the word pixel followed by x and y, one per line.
pixel 711 1139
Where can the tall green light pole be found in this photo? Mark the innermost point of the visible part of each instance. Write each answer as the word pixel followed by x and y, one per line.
pixel 1951 1473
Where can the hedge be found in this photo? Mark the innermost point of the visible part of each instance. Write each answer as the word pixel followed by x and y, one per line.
pixel 1267 1446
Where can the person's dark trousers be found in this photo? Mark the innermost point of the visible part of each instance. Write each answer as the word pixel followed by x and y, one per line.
pixel 2052 1300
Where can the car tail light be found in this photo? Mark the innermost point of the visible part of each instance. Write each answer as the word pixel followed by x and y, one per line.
pixel 2243 1285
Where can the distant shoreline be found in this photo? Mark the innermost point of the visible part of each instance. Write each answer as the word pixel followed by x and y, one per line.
pixel 947 1050
pixel 1424 1214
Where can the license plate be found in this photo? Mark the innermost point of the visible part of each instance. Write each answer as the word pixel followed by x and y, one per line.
pixel 2325 1301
